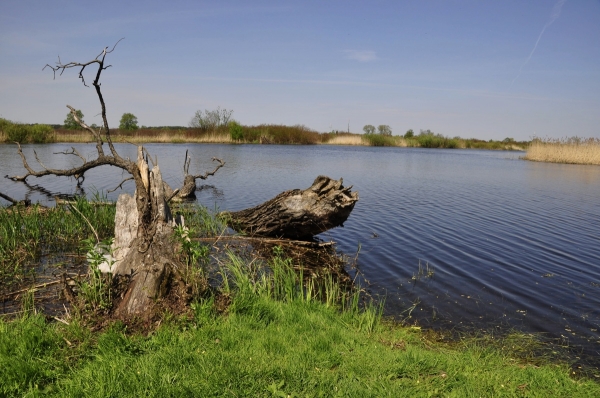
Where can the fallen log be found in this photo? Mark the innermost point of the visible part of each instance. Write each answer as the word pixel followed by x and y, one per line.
pixel 298 214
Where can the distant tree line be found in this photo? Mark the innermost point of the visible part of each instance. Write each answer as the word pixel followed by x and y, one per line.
pixel 382 129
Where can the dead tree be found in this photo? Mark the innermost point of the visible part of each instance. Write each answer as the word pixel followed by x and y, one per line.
pixel 144 225
pixel 299 214
pixel 188 190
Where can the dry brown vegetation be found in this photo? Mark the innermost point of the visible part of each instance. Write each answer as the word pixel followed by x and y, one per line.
pixel 149 135
pixel 573 150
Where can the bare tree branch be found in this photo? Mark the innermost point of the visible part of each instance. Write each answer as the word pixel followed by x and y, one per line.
pixel 26 202
pixel 210 173
pixel 120 185
pixel 100 61
pixel 72 152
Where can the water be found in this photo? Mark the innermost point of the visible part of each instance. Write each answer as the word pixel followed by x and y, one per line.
pixel 452 238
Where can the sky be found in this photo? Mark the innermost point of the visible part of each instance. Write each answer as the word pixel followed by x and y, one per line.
pixel 474 69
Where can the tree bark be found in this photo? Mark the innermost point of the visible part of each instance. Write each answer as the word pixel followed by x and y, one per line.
pixel 145 253
pixel 299 214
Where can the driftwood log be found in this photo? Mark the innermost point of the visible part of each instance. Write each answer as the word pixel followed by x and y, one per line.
pixel 299 214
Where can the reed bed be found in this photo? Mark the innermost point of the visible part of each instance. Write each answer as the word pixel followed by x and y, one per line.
pixel 28 232
pixel 572 150
pixel 143 136
pixel 344 139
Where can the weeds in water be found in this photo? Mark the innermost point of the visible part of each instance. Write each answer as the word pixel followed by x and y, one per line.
pixel 194 256
pixel 423 272
pixel 191 251
pixel 28 232
pixel 205 223
pixel 28 302
pixel 96 290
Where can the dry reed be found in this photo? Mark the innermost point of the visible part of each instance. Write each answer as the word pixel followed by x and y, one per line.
pixel 345 140
pixel 568 150
pixel 149 136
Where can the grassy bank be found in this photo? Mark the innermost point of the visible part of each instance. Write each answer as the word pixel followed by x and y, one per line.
pixel 270 341
pixel 236 133
pixel 260 331
pixel 569 150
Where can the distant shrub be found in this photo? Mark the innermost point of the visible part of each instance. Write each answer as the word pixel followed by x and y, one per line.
pixel 4 123
pixel 40 133
pixel 16 132
pixel 280 134
pixel 428 139
pixel 409 134
pixel 379 140
pixel 236 131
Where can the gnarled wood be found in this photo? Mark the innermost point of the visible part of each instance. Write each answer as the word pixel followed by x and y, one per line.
pixel 299 214
pixel 188 189
pixel 147 256
pixel 144 250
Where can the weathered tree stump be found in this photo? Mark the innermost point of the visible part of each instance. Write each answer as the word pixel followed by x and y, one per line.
pixel 144 253
pixel 299 214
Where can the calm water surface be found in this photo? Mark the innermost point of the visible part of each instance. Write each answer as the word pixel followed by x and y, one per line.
pixel 510 243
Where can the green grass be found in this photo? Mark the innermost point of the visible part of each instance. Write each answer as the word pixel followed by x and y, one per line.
pixel 275 339
pixel 379 140
pixel 260 331
pixel 27 232
pixel 271 348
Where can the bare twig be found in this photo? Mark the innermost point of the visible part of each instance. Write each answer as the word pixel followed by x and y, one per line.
pixel 73 151
pixel 87 221
pixel 120 185
pixel 209 173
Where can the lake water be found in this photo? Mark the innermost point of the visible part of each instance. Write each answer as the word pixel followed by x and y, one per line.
pixel 507 243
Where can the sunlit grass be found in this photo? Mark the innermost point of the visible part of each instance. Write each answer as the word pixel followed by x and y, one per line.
pixel 568 150
pixel 267 347
pixel 279 333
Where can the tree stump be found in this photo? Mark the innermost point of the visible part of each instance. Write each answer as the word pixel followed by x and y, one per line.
pixel 299 214
pixel 146 255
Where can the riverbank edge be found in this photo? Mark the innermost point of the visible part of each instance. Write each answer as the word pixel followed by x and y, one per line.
pixel 256 335
pixel 268 346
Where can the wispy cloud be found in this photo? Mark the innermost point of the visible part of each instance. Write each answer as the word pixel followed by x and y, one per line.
pixel 361 56
pixel 556 10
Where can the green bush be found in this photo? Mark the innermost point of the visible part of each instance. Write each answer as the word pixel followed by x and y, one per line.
pixel 236 131
pixel 4 123
pixel 279 134
pixel 379 140
pixel 16 132
pixel 40 133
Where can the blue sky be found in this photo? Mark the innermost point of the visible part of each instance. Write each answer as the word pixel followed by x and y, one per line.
pixel 483 69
